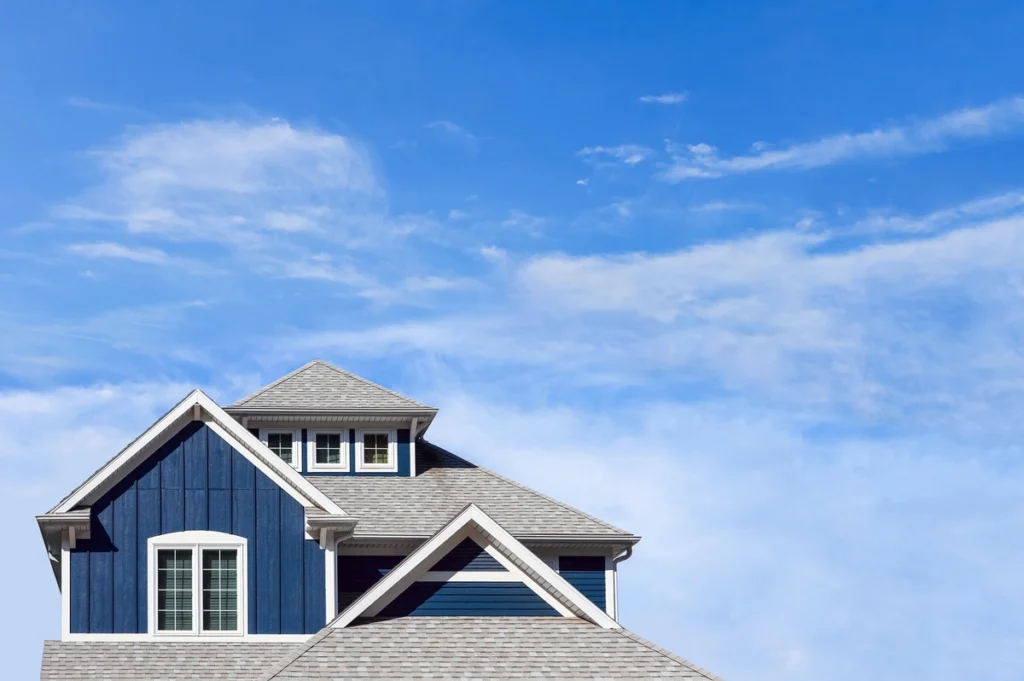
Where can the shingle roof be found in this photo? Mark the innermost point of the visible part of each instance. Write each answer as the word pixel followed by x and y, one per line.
pixel 322 387
pixel 444 485
pixel 481 648
pixel 159 660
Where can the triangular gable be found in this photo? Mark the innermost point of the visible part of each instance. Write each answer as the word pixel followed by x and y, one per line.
pixel 198 406
pixel 473 523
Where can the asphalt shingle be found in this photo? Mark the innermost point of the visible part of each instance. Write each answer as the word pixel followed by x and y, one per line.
pixel 159 660
pixel 322 387
pixel 444 485
pixel 492 648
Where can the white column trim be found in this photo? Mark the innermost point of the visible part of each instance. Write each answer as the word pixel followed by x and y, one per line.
pixel 412 447
pixel 65 587
pixel 611 596
pixel 331 577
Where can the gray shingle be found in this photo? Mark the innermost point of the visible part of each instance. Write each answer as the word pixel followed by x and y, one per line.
pixel 481 648
pixel 444 485
pixel 159 660
pixel 320 386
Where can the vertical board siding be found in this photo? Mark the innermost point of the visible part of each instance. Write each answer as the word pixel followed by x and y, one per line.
pixel 586 573
pixel 468 555
pixel 196 481
pixel 468 599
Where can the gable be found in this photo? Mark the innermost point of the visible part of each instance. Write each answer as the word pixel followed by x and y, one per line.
pixel 196 481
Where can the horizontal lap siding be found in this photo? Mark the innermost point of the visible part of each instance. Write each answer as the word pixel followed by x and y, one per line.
pixel 196 481
pixel 465 599
pixel 356 574
pixel 468 556
pixel 587 574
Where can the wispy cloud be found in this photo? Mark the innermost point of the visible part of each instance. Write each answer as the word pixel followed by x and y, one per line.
pixel 525 222
pixel 667 98
pixel 110 250
pixel 79 102
pixel 921 137
pixel 630 154
pixel 454 131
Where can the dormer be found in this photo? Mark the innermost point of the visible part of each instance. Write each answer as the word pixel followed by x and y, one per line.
pixel 323 420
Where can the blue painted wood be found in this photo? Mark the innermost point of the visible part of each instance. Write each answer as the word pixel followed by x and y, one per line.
pixel 293 554
pixel 403 452
pixel 194 481
pixel 80 589
pixel 587 574
pixel 126 611
pixel 304 461
pixel 101 570
pixel 468 555
pixel 465 599
pixel 314 576
pixel 268 555
pixel 351 449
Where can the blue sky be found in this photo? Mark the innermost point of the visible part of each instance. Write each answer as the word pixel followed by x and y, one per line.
pixel 745 280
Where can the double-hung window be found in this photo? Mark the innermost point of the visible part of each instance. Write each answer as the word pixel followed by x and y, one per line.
pixel 284 442
pixel 197 584
pixel 328 450
pixel 376 450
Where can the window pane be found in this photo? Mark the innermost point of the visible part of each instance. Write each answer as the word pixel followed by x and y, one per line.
pixel 281 444
pixel 328 448
pixel 174 590
pixel 375 448
pixel 220 590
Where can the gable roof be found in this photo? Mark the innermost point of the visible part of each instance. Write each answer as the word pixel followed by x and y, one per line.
pixel 418 507
pixel 159 660
pixel 481 648
pixel 474 523
pixel 195 405
pixel 321 387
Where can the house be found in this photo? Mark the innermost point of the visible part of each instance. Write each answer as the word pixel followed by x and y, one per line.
pixel 310 531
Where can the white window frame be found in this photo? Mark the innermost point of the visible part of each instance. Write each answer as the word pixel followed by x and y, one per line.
pixel 296 434
pixel 392 465
pixel 311 463
pixel 198 541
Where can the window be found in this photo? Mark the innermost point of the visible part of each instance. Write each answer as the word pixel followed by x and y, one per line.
pixel 328 450
pixel 284 443
pixel 376 451
pixel 197 583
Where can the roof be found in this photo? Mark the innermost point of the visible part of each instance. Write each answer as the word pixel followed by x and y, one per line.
pixel 474 524
pixel 160 660
pixel 394 506
pixel 481 648
pixel 319 387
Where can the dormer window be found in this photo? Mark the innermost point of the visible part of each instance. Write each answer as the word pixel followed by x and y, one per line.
pixel 285 443
pixel 376 451
pixel 328 450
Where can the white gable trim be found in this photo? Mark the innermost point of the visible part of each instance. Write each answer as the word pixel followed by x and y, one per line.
pixel 240 439
pixel 537 574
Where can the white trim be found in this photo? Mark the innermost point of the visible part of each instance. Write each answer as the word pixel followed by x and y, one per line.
pixel 331 581
pixel 469 576
pixel 524 577
pixel 65 588
pixel 312 465
pixel 296 434
pixel 205 638
pixel 413 427
pixel 198 541
pixel 224 425
pixel 610 597
pixel 392 465
pixel 470 520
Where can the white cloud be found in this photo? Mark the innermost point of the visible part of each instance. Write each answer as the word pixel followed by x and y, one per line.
pixel 630 154
pixel 583 182
pixel 149 256
pixel 920 137
pixel 524 222
pixel 456 214
pixel 667 98
pixel 455 131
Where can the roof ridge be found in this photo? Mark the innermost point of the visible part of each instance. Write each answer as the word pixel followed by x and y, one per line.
pixel 670 655
pixel 367 381
pixel 523 487
pixel 274 384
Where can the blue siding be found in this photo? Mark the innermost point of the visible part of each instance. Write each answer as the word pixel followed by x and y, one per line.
pixel 586 573
pixel 468 599
pixel 195 482
pixel 468 556
pixel 404 457
pixel 356 574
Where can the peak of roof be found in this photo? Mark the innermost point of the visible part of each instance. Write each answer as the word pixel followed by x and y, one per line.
pixel 320 386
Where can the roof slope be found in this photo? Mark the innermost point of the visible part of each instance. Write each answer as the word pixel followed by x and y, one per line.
pixel 443 486
pixel 481 648
pixel 320 386
pixel 160 661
